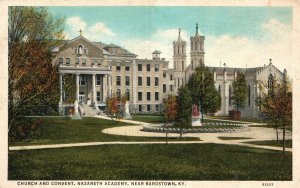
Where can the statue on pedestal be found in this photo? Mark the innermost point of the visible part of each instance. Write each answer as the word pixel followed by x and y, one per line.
pixel 127 113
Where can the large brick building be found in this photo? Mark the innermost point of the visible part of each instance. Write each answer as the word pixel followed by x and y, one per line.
pixel 104 70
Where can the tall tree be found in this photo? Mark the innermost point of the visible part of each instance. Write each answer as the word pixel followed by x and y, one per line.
pixel 33 32
pixel 277 106
pixel 239 91
pixel 171 108
pixel 203 90
pixel 184 107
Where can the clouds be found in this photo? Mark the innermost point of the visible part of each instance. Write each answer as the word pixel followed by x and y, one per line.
pixel 274 42
pixel 95 32
pixel 161 40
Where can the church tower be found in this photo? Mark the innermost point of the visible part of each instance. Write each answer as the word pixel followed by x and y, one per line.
pixel 197 49
pixel 179 53
pixel 179 60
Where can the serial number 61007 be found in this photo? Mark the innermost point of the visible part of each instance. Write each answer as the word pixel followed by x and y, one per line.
pixel 267 184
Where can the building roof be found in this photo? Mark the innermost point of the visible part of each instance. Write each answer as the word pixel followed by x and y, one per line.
pixel 232 70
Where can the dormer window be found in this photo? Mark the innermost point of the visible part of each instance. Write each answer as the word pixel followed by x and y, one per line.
pixel 68 61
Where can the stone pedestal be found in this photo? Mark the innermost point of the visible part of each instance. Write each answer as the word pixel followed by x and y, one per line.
pixel 127 113
pixel 196 121
pixel 76 108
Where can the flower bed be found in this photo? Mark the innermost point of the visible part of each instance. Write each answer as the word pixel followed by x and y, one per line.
pixel 206 128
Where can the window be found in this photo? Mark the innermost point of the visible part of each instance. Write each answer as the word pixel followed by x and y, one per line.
pixel 127 67
pixel 140 108
pixel 127 94
pixel 148 107
pixel 98 80
pixel 148 81
pixel 99 61
pixel 164 88
pixel 140 67
pixel 171 87
pixel 85 51
pixel 83 61
pixel 148 96
pixel 164 73
pixel 118 67
pixel 156 81
pixel 140 81
pixel 118 93
pixel 182 65
pixel 98 96
pixel 148 67
pixel 156 67
pixel 75 51
pixel 127 80
pixel 118 80
pixel 61 60
pixel 156 107
pixel 270 84
pixel 81 95
pixel 68 61
pixel 171 77
pixel 249 96
pixel 82 80
pixel 219 89
pixel 230 95
pixel 156 96
pixel 80 49
pixel 77 60
pixel 140 96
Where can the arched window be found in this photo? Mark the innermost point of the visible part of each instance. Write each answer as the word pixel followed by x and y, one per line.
pixel 192 64
pixel 230 95
pixel 127 94
pixel 219 89
pixel 171 77
pixel 80 49
pixel 249 96
pixel 270 84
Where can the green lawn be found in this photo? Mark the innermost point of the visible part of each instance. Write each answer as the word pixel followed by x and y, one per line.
pixel 151 162
pixel 232 138
pixel 272 143
pixel 149 119
pixel 64 130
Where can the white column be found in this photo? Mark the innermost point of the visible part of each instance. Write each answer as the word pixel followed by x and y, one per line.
pixel 60 88
pixel 104 87
pixel 109 85
pixel 77 87
pixel 94 89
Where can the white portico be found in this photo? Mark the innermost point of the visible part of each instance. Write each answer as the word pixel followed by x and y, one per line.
pixel 86 63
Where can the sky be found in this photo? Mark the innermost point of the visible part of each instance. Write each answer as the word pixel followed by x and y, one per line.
pixel 238 36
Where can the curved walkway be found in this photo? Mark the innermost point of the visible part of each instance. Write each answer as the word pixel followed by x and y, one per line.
pixel 255 133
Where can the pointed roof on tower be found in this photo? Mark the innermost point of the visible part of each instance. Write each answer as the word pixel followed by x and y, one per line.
pixel 197 33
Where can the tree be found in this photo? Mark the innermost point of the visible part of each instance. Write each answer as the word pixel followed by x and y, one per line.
pixel 33 32
pixel 112 106
pixel 203 91
pixel 171 108
pixel 239 91
pixel 277 105
pixel 184 101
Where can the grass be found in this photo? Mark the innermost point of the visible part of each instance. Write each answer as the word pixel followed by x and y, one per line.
pixel 151 162
pixel 149 119
pixel 288 143
pixel 232 138
pixel 63 130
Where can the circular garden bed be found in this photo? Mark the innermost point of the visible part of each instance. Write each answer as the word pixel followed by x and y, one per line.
pixel 206 128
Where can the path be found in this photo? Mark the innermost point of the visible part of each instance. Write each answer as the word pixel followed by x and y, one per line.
pixel 255 133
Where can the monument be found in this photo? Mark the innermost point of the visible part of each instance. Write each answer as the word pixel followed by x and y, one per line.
pixel 196 117
pixel 127 113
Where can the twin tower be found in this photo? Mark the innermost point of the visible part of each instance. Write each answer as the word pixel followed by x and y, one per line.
pixel 179 57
